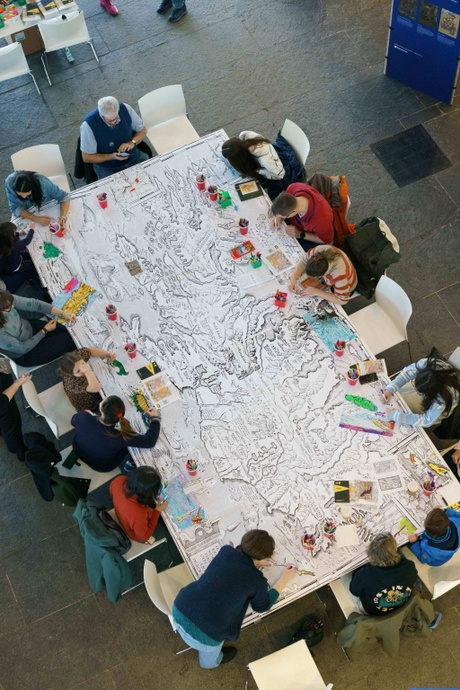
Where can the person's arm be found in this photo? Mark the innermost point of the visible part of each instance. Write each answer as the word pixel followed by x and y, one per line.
pixel 16 204
pixel 311 237
pixel 271 166
pixel 66 315
pixel 88 147
pixel 25 240
pixel 356 583
pixel 93 384
pixel 299 269
pixel 329 296
pixel 264 599
pixel 426 419
pixel 456 454
pixel 16 348
pixel 11 391
pixel 103 354
pixel 64 212
pixel 407 374
pixel 148 439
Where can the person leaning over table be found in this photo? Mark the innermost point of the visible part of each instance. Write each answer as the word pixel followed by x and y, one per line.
pixel 136 502
pixel 332 269
pixel 80 383
pixel 107 132
pixel 102 441
pixel 10 418
pixel 212 609
pixel 25 189
pixel 30 342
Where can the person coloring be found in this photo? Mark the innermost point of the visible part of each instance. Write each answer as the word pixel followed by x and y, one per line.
pixel 308 214
pixel 103 441
pixel 16 265
pixel 440 539
pixel 26 189
pixel 80 383
pixel 212 609
pixel 136 502
pixel 10 418
pixel 275 165
pixel 386 582
pixel 32 342
pixel 329 267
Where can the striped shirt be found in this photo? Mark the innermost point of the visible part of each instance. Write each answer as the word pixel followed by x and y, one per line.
pixel 437 408
pixel 341 275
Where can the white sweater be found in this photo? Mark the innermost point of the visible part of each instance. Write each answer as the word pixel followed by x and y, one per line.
pixel 269 162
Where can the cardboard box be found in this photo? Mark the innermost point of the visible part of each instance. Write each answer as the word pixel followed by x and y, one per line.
pixel 32 41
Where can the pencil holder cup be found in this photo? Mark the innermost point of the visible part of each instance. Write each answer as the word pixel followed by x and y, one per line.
pixel 111 312
pixel 428 487
pixel 131 350
pixel 201 182
pixel 102 199
pixel 280 299
pixel 308 541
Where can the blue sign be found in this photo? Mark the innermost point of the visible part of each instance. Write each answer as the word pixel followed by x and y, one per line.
pixel 424 46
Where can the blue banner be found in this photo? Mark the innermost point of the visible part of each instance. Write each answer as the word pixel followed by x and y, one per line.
pixel 424 46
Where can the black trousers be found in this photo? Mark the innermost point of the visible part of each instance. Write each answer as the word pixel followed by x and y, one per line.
pixel 53 345
pixel 10 420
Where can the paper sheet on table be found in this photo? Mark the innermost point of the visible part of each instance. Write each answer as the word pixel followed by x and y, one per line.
pixel 450 492
pixel 346 535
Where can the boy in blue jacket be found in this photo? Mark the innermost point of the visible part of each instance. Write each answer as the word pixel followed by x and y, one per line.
pixel 440 540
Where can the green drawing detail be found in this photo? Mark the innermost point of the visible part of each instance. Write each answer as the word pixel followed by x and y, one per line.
pixel 361 402
pixel 121 371
pixel 50 251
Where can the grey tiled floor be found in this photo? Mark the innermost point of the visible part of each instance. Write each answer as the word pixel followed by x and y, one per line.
pixel 243 64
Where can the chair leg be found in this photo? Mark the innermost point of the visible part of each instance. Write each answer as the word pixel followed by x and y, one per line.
pixel 36 85
pixel 410 352
pixel 92 48
pixel 44 67
pixel 71 181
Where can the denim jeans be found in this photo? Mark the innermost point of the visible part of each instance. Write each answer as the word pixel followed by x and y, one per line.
pixel 135 157
pixel 210 655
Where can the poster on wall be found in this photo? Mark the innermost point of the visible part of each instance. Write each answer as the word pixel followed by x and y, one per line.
pixel 424 46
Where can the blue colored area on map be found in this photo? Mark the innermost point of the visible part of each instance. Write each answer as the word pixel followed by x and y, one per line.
pixel 330 329
pixel 181 508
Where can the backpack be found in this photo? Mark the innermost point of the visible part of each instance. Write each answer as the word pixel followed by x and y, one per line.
pixel 310 630
pixel 114 527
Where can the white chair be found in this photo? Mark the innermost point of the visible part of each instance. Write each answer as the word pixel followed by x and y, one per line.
pixel 164 587
pixel 438 580
pixel 53 404
pixel 58 33
pixel 165 116
pixel 383 324
pixel 297 139
pixel 454 359
pixel 81 470
pixel 13 63
pixel 45 159
pixel 291 668
pixel 18 370
pixel 341 590
pixel 137 548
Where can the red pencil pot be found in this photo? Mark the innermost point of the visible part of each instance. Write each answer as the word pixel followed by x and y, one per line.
pixel 192 470
pixel 428 488
pixel 57 229
pixel 351 380
pixel 112 313
pixel 103 201
pixel 244 229
pixel 339 353
pixel 281 301
pixel 201 182
pixel 131 350
pixel 308 541
pixel 213 196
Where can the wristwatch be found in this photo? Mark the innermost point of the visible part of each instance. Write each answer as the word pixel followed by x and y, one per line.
pixel 134 142
pixel 44 331
pixel 302 234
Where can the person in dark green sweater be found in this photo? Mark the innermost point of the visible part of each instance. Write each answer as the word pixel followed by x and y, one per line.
pixel 212 609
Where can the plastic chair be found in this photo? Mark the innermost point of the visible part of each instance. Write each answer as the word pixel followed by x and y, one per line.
pixel 13 63
pixel 53 404
pixel 17 369
pixel 80 470
pixel 137 548
pixel 383 324
pixel 164 114
pixel 45 159
pixel 341 590
pixel 291 668
pixel 440 579
pixel 297 138
pixel 164 587
pixel 59 33
pixel 454 359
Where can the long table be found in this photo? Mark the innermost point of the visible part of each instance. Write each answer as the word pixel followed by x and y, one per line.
pixel 261 395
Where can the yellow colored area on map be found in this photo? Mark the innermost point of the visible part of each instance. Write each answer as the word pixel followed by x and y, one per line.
pixel 78 300
pixel 405 523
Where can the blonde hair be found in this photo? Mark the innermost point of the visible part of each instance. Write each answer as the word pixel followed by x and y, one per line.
pixel 383 551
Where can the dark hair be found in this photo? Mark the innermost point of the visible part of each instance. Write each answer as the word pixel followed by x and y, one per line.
pixel 435 380
pixel 27 181
pixel 6 300
pixel 257 544
pixel 284 205
pixel 113 412
pixel 68 362
pixel 436 522
pixel 145 484
pixel 237 152
pixel 7 238
pixel 319 263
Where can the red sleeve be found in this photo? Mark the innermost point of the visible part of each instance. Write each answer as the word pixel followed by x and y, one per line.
pixel 321 222
pixel 144 523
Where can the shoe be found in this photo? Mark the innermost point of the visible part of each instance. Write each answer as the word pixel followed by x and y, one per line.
pixel 164 7
pixel 129 465
pixel 434 624
pixel 109 6
pixel 69 55
pixel 229 653
pixel 177 14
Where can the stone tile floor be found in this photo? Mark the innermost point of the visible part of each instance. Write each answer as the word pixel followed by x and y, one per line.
pixel 243 64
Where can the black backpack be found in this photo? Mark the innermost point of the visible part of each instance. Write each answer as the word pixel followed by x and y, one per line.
pixel 310 630
pixel 114 527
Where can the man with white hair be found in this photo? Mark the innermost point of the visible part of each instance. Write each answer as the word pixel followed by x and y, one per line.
pixel 109 136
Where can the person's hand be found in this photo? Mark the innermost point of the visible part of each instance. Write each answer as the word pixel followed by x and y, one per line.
pixel 275 222
pixel 293 283
pixel 309 292
pixel 413 538
pixel 111 356
pixel 153 413
pixel 22 233
pixel 44 220
pixel 50 326
pixel 24 378
pixel 63 224
pixel 456 456
pixel 67 316
pixel 292 231
pixel 288 575
pixel 125 148
pixel 85 368
pixel 161 505
pixel 116 156
pixel 387 395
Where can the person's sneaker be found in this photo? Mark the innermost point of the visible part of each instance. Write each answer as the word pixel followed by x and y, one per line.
pixel 129 465
pixel 229 653
pixel 177 14
pixel 434 624
pixel 164 7
pixel 109 6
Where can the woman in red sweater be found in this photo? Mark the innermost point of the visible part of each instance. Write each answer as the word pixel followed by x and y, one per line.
pixel 136 502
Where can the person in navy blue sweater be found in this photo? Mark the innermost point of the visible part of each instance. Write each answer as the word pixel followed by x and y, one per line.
pixel 440 540
pixel 15 265
pixel 212 609
pixel 103 441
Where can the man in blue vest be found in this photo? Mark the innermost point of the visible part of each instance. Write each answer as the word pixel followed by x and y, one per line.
pixel 109 136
